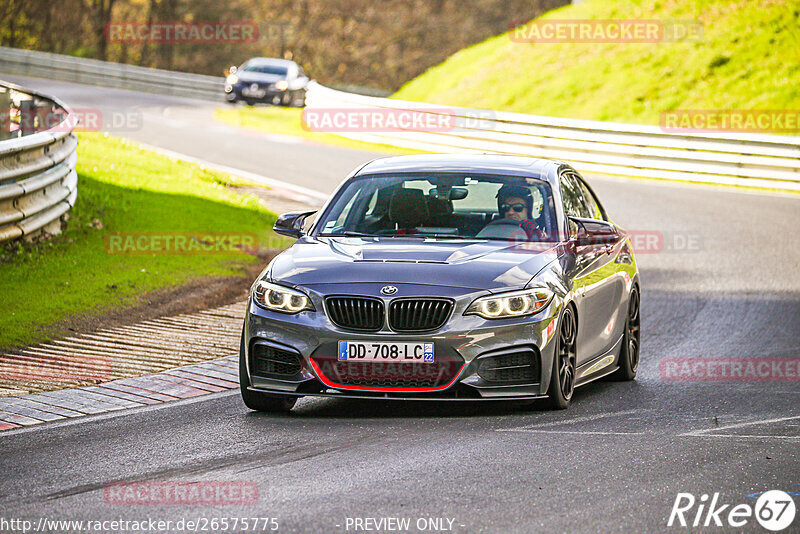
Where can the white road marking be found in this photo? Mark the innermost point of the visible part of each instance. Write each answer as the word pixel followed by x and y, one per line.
pixel 535 431
pixel 531 428
pixel 747 436
pixel 706 431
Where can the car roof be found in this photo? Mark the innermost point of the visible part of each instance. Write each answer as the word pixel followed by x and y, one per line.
pixel 270 61
pixel 544 169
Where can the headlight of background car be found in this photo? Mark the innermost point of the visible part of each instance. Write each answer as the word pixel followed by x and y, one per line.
pixel 511 304
pixel 281 299
pixel 231 79
pixel 282 85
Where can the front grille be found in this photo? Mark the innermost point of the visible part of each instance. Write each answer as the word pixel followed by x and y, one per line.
pixel 417 315
pixel 520 367
pixel 389 374
pixel 356 313
pixel 376 374
pixel 275 363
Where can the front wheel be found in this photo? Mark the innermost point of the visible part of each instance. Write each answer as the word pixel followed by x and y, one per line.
pixel 629 353
pixel 562 379
pixel 260 402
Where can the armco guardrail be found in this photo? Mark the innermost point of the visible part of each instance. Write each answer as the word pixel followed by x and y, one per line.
pixel 38 182
pixel 756 160
pixel 106 73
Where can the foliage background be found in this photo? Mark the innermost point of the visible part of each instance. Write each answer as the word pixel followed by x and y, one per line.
pixel 338 42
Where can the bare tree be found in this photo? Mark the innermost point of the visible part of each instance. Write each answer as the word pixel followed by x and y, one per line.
pixel 101 11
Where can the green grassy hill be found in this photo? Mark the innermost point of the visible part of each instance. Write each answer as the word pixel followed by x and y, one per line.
pixel 748 58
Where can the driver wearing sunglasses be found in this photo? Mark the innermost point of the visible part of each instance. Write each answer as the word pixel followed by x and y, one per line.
pixel 516 203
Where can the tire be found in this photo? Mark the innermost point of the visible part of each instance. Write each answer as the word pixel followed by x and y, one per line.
pixel 260 402
pixel 631 340
pixel 250 102
pixel 562 379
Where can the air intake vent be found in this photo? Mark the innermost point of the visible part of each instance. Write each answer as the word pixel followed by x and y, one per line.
pixel 275 363
pixel 356 313
pixel 418 315
pixel 519 367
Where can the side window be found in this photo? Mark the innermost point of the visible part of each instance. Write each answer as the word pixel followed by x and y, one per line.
pixel 571 195
pixel 591 202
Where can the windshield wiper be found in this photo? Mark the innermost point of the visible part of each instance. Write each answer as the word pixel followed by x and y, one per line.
pixel 435 236
pixel 349 234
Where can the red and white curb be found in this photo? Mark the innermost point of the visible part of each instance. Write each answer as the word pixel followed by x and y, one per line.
pixel 179 383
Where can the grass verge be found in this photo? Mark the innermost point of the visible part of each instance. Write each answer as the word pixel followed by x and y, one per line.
pixel 746 58
pixel 124 189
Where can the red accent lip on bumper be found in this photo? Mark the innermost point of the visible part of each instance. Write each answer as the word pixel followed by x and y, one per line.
pixel 334 385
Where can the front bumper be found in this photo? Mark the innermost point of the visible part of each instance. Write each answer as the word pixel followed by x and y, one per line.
pixel 474 357
pixel 264 95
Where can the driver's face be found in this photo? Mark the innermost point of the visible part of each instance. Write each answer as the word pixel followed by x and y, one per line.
pixel 511 207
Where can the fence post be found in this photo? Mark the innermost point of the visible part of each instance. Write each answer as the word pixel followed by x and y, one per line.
pixel 27 117
pixel 5 113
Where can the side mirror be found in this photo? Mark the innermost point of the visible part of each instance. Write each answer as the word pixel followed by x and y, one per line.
pixel 585 232
pixel 292 224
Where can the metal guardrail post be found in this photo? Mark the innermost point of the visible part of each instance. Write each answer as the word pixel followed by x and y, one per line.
pixel 27 117
pixel 5 113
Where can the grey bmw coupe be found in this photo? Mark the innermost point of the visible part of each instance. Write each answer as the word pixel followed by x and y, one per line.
pixel 445 277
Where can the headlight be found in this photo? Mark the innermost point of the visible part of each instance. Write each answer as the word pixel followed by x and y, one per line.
pixel 231 79
pixel 282 85
pixel 511 304
pixel 281 299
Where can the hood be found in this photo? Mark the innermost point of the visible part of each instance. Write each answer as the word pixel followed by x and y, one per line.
pixel 258 77
pixel 467 264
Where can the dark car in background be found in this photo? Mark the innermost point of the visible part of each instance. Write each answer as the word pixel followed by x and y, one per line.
pixel 267 80
pixel 445 277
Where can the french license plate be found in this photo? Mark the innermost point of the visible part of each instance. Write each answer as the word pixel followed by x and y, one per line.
pixel 382 351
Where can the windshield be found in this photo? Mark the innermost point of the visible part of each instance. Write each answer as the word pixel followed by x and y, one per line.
pixel 447 205
pixel 266 69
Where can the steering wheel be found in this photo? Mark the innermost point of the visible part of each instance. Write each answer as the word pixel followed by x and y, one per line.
pixel 499 222
pixel 503 229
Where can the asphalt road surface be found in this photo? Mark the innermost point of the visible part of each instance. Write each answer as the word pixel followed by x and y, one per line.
pixel 723 285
